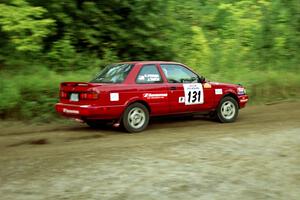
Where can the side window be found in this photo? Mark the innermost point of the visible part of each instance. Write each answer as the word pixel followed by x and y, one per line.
pixel 178 74
pixel 149 74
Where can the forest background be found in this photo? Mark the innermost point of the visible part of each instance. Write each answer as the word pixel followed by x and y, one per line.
pixel 42 43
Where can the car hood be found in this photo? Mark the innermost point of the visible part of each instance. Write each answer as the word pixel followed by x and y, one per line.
pixel 228 85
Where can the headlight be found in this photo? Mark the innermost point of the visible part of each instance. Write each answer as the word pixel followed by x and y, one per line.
pixel 241 91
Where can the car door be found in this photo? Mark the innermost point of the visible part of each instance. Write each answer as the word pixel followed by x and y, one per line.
pixel 186 93
pixel 152 89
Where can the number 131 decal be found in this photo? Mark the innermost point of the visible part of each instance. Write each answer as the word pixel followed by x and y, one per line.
pixel 193 93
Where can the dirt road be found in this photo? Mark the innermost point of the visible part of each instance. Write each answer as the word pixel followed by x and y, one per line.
pixel 258 157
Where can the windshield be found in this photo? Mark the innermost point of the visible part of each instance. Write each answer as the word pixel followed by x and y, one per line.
pixel 115 73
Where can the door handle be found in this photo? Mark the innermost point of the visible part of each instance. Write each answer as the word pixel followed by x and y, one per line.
pixel 173 88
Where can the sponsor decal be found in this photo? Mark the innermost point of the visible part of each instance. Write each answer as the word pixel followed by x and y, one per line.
pixel 207 85
pixel 114 96
pixel 149 77
pixel 152 77
pixel 181 100
pixel 193 94
pixel 218 91
pixel 65 110
pixel 155 96
pixel 141 78
pixel 243 100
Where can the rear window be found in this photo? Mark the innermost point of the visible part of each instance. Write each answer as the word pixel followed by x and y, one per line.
pixel 115 73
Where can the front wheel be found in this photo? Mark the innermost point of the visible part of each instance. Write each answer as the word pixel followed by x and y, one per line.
pixel 227 110
pixel 135 118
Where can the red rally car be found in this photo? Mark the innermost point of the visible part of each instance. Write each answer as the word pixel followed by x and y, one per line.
pixel 129 93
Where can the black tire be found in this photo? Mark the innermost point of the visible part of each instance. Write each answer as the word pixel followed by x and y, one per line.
pixel 213 115
pixel 138 122
pixel 227 110
pixel 96 124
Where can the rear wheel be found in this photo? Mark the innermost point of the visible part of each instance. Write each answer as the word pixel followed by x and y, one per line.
pixel 135 118
pixel 227 110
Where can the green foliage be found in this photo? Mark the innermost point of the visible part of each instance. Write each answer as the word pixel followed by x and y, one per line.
pixel 253 42
pixel 25 96
pixel 25 25
pixel 198 54
pixel 9 95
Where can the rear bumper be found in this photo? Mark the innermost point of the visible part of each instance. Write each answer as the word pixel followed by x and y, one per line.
pixel 243 99
pixel 89 111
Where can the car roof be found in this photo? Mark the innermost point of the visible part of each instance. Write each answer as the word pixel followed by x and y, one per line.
pixel 151 62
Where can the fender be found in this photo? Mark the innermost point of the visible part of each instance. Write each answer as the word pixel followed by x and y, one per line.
pixel 133 100
pixel 228 92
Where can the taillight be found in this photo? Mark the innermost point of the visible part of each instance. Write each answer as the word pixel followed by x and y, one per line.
pixel 89 95
pixel 63 94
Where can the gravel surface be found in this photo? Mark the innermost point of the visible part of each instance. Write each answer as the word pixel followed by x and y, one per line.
pixel 257 157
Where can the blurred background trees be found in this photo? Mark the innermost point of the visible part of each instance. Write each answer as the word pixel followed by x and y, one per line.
pixel 253 42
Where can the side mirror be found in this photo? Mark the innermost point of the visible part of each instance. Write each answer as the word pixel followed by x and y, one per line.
pixel 201 79
pixel 194 79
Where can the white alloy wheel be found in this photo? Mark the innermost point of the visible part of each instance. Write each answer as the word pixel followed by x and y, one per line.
pixel 136 118
pixel 228 110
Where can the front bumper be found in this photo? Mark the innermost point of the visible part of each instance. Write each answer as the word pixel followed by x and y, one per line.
pixel 243 99
pixel 89 111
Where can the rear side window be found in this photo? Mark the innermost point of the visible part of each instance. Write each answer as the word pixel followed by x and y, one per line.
pixel 149 74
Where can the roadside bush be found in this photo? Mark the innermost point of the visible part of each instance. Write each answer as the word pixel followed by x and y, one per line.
pixel 262 86
pixel 31 95
pixel 9 96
